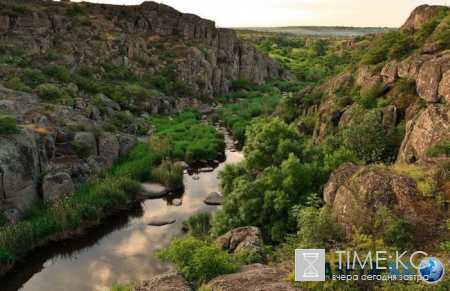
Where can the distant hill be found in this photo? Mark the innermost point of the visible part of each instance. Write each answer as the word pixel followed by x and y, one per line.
pixel 320 31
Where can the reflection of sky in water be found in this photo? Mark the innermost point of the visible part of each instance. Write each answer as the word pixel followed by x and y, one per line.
pixel 120 251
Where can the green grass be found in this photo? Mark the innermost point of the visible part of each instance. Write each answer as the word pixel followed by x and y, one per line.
pixel 198 225
pixel 440 149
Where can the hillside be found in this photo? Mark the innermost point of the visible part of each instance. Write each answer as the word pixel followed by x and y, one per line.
pixel 318 31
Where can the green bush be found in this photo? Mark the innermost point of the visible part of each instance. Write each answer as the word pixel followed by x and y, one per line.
pixel 198 225
pixel 75 9
pixel 33 77
pixel 241 83
pixel 16 84
pixel 441 148
pixel 8 125
pixel 51 92
pixel 169 174
pixel 58 72
pixel 368 95
pixel 198 261
pixel 80 149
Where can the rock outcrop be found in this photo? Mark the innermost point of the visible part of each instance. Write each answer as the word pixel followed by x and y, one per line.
pixel 353 191
pixel 255 277
pixel 431 127
pixel 242 238
pixel 130 33
pixel 419 16
pixel 169 281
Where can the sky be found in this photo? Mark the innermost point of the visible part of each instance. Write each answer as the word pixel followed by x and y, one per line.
pixel 267 13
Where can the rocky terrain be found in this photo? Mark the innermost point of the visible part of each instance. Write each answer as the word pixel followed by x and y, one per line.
pixel 353 190
pixel 64 142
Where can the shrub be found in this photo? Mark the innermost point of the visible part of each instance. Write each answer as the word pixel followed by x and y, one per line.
pixel 33 77
pixel 58 72
pixel 368 96
pixel 16 84
pixel 80 149
pixel 169 174
pixel 198 261
pixel 8 125
pixel 241 83
pixel 441 148
pixel 75 9
pixel 198 225
pixel 51 92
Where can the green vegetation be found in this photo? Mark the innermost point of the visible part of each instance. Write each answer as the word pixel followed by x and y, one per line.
pixel 441 148
pixel 184 138
pixel 8 125
pixel 169 174
pixel 199 225
pixel 199 261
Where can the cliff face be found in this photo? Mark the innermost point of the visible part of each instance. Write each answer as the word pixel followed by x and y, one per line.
pixel 139 37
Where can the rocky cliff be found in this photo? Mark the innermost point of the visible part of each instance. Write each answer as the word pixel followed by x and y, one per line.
pixel 412 90
pixel 141 38
pixel 84 70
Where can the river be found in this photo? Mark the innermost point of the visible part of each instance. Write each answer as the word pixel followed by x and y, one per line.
pixel 121 249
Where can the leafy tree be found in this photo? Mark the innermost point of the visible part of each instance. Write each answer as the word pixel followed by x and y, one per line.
pixel 269 142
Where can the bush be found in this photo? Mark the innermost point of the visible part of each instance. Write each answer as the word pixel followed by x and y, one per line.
pixel 241 83
pixel 198 261
pixel 33 77
pixel 368 96
pixel 75 9
pixel 8 125
pixel 198 225
pixel 58 72
pixel 51 92
pixel 16 84
pixel 169 174
pixel 441 148
pixel 80 149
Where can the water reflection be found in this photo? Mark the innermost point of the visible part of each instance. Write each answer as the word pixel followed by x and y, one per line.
pixel 120 250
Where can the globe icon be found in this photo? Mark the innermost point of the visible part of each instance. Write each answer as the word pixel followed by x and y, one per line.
pixel 431 270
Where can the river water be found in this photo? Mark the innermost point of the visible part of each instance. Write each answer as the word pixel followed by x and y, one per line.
pixel 121 249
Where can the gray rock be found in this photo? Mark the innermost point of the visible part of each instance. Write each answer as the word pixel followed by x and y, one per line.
pixel 13 215
pixel 19 169
pixel 213 198
pixel 157 221
pixel 195 177
pixel 183 164
pixel 109 147
pixel 105 101
pixel 57 185
pixel 153 190
pixel 169 281
pixel 87 139
pixel 8 107
pixel 205 170
pixel 97 164
pixel 253 277
pixel 127 143
pixel 42 120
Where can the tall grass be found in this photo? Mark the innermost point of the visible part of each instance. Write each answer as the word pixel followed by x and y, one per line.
pixel 169 174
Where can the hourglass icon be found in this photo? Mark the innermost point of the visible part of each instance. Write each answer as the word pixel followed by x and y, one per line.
pixel 310 271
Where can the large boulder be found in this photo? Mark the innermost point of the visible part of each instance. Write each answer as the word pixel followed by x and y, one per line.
pixel 169 281
pixel 240 239
pixel 255 277
pixel 422 134
pixel 430 76
pixel 57 185
pixel 127 143
pixel 419 16
pixel 87 140
pixel 353 192
pixel 19 169
pixel 109 147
